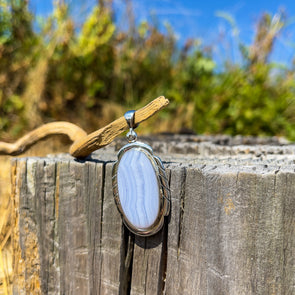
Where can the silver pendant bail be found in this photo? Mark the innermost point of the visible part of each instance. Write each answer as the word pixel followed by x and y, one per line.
pixel 129 117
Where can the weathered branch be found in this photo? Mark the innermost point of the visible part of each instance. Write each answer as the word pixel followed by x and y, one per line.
pixel 83 144
pixel 107 134
pixel 71 130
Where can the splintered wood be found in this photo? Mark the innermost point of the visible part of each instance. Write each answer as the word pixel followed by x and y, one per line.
pixel 230 231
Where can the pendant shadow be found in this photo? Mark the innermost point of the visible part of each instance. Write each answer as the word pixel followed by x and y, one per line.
pixel 155 240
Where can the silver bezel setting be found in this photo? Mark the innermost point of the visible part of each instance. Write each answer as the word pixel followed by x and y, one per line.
pixel 163 186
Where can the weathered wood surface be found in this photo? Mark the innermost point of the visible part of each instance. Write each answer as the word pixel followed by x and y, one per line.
pixel 231 229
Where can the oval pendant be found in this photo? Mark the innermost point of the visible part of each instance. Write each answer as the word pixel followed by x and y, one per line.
pixel 140 188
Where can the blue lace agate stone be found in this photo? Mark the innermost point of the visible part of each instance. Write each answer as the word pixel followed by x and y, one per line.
pixel 138 189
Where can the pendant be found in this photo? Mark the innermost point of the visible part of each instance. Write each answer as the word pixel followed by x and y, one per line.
pixel 140 185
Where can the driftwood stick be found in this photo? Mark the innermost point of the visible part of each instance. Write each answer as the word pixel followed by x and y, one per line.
pixel 71 130
pixel 107 134
pixel 83 144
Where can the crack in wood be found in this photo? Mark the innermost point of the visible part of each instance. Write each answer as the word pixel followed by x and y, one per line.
pixel 127 248
pixel 181 209
pixel 164 254
pixel 101 221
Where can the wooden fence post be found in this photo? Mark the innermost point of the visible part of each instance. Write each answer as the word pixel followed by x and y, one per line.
pixel 231 229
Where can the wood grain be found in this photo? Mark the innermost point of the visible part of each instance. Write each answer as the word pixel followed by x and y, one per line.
pixel 230 230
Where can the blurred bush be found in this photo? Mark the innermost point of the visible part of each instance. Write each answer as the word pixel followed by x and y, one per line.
pixel 93 74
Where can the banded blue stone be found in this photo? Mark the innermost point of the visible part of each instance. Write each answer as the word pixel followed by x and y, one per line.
pixel 141 189
pixel 138 189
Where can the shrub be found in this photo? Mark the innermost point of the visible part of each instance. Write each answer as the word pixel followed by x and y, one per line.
pixel 91 75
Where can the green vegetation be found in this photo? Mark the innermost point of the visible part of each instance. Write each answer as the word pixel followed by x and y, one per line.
pixel 92 75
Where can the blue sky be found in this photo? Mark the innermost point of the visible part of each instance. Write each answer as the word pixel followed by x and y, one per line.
pixel 199 19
